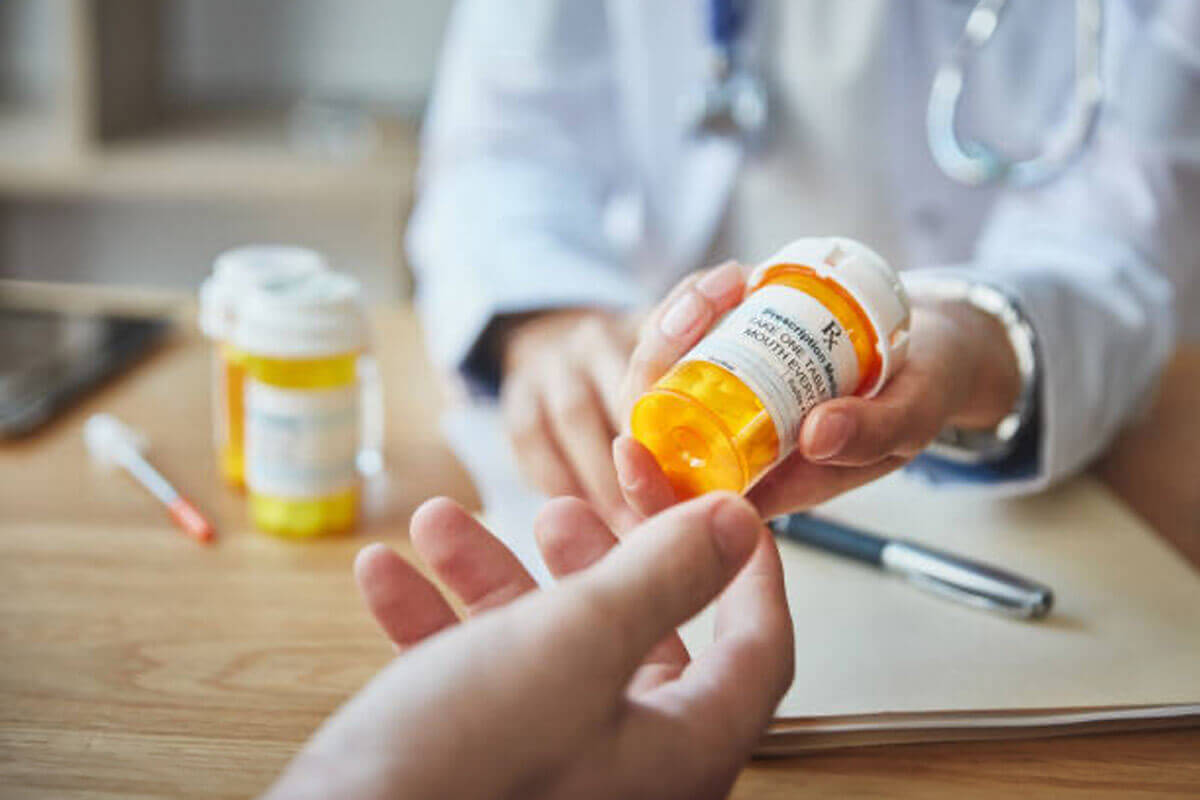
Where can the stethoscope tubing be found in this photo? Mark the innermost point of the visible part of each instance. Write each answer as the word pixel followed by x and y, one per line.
pixel 734 101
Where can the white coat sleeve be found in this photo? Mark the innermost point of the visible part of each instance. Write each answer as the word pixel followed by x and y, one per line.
pixel 521 152
pixel 1088 257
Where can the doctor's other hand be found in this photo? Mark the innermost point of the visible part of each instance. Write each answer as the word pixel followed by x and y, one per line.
pixel 582 690
pixel 960 370
pixel 560 393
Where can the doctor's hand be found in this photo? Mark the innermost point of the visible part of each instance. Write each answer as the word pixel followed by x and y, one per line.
pixel 583 690
pixel 960 371
pixel 560 393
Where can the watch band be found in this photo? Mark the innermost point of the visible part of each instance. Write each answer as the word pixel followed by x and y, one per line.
pixel 989 445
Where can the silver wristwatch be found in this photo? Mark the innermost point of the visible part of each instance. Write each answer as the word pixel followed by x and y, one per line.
pixel 985 446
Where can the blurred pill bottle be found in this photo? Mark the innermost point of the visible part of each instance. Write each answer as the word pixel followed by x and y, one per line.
pixel 822 318
pixel 300 345
pixel 234 273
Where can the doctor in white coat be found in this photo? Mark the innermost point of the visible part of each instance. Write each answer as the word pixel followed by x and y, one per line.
pixel 564 187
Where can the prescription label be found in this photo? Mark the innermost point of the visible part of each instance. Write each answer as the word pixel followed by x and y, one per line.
pixel 789 350
pixel 301 443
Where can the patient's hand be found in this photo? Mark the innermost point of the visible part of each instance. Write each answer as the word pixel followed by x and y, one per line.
pixel 960 370
pixel 582 690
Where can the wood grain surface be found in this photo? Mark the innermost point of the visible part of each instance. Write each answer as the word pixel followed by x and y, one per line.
pixel 137 664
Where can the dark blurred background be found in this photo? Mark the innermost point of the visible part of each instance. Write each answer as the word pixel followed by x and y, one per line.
pixel 140 137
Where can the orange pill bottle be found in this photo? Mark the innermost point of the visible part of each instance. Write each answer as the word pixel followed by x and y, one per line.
pixel 822 318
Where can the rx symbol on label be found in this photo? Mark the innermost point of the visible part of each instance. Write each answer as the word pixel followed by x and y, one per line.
pixel 832 334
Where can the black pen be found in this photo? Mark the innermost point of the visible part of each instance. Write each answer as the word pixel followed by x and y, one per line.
pixel 945 574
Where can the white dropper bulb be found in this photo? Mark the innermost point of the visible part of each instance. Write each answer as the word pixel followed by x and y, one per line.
pixel 111 442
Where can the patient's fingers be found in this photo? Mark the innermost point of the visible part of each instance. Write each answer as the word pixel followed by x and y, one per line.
pixel 733 688
pixel 405 604
pixel 475 565
pixel 664 573
pixel 572 537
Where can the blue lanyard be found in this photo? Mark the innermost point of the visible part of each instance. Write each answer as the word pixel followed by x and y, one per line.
pixel 732 100
pixel 726 19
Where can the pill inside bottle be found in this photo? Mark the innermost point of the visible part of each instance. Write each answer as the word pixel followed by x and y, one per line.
pixel 822 318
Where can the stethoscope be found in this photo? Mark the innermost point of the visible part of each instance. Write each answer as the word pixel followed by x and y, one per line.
pixel 734 101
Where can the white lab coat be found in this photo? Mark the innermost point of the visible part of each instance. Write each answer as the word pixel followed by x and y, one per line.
pixel 556 172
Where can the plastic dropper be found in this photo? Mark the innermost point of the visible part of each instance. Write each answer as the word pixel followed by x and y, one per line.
pixel 112 443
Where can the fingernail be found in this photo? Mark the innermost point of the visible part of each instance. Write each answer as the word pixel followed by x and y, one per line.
pixel 735 527
pixel 723 280
pixel 833 431
pixel 682 316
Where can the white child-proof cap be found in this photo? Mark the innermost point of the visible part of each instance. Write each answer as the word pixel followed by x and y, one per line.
pixel 869 280
pixel 236 272
pixel 318 315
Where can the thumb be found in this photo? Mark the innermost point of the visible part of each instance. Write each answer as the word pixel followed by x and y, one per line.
pixel 663 574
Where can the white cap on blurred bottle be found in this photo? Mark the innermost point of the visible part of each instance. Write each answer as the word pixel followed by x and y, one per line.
pixel 318 315
pixel 236 272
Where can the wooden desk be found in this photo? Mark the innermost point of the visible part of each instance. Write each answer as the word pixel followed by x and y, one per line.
pixel 137 664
